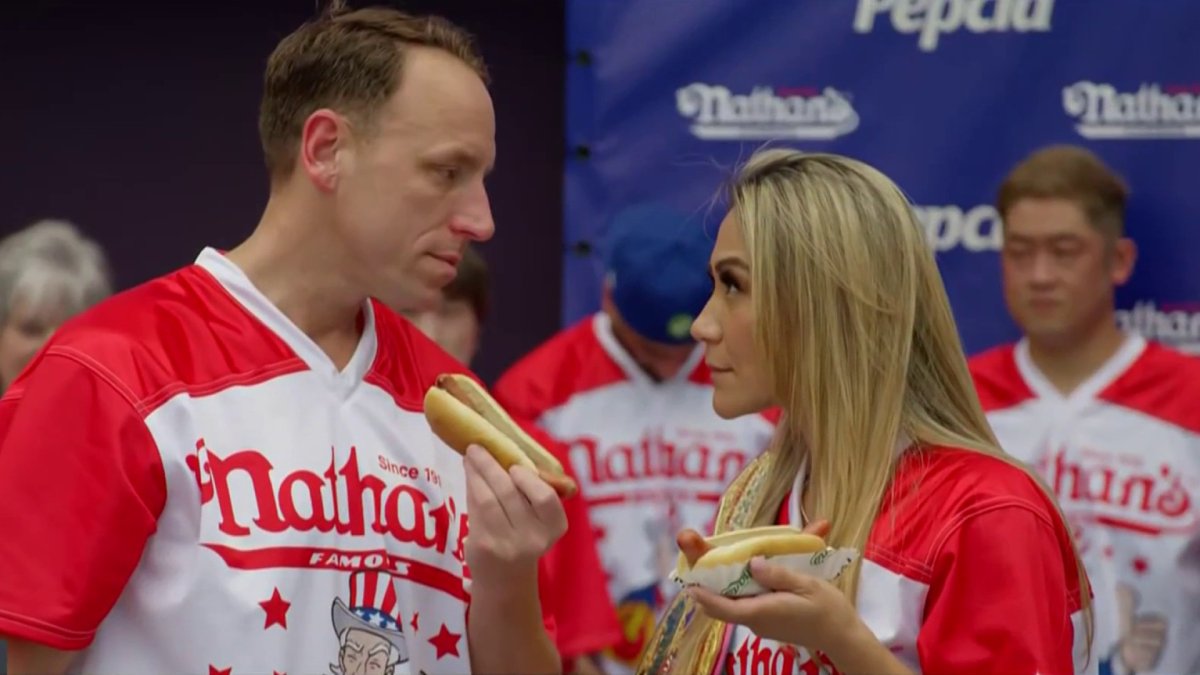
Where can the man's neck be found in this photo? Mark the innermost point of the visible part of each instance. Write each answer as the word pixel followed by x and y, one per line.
pixel 1069 364
pixel 288 261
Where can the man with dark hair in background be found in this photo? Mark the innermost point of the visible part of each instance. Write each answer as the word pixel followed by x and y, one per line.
pixel 456 322
pixel 196 470
pixel 1111 420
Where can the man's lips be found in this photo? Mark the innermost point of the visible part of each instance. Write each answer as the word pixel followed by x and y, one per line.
pixel 451 258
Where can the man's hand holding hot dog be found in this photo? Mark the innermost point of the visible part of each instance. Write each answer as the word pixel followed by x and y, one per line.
pixel 515 517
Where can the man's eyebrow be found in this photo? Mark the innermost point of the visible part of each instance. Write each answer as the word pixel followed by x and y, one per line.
pixel 460 155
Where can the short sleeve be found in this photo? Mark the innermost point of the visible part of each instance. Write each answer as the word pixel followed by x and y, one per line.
pixel 82 486
pixel 1001 599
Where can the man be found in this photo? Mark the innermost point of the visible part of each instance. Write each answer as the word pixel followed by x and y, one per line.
pixel 1110 420
pixel 195 471
pixel 629 394
pixel 456 322
pixel 583 612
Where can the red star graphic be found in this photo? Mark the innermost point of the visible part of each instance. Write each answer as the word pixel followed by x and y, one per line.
pixel 1140 565
pixel 276 609
pixel 212 670
pixel 599 532
pixel 1108 551
pixel 413 623
pixel 445 642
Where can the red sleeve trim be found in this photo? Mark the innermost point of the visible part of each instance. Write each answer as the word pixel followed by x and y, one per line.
pixel 33 630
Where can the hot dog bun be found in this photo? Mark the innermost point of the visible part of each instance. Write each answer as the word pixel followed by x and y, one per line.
pixel 742 545
pixel 462 413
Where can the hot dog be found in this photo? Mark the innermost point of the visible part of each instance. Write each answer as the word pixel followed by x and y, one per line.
pixel 742 545
pixel 462 413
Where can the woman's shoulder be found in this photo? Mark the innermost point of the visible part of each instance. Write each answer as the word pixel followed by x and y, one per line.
pixel 961 478
pixel 939 491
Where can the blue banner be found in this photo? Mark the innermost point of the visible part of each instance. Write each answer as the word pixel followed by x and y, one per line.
pixel 665 97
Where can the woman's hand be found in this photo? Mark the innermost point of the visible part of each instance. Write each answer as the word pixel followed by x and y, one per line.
pixel 799 609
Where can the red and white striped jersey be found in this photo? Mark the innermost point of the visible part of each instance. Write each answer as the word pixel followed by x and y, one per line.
pixel 1122 453
pixel 652 457
pixel 968 569
pixel 191 486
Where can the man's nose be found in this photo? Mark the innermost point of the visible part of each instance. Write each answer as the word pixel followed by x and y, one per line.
pixel 474 221
pixel 1043 271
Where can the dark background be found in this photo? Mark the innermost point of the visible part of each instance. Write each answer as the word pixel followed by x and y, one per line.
pixel 137 121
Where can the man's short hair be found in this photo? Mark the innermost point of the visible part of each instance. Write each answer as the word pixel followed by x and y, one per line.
pixel 471 284
pixel 1073 173
pixel 349 61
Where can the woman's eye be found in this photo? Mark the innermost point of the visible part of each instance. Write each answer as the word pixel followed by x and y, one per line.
pixel 731 285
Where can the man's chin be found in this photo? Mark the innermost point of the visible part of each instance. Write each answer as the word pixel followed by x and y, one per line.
pixel 411 301
pixel 1054 335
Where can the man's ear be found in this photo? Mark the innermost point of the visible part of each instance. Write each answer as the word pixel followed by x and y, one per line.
pixel 323 134
pixel 1124 259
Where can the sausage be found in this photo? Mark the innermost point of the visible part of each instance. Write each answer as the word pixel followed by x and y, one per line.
pixel 692 545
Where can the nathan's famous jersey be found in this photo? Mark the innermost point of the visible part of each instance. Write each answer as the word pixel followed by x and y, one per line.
pixel 191 486
pixel 652 457
pixel 1122 453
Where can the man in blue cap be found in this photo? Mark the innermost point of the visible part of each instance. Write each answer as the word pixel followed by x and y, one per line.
pixel 627 391
pixel 656 282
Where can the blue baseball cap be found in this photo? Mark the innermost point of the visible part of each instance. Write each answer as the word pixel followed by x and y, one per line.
pixel 656 263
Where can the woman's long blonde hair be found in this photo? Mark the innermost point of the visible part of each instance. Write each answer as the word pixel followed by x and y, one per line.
pixel 853 318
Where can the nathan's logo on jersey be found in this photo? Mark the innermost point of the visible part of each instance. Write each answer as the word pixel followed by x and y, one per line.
pixel 975 229
pixel 935 18
pixel 755 656
pixel 1125 491
pixel 655 457
pixel 766 113
pixel 1176 324
pixel 251 497
pixel 1103 112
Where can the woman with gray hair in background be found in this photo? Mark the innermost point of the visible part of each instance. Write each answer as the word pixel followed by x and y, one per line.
pixel 49 272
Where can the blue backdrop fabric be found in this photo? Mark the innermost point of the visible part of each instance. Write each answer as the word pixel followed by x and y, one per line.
pixel 665 97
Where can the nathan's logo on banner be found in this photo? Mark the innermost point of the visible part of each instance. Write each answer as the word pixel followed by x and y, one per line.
pixel 975 229
pixel 1153 111
pixel 934 18
pixel 1176 324
pixel 718 114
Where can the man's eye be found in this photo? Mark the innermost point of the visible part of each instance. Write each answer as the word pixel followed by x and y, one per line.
pixel 450 174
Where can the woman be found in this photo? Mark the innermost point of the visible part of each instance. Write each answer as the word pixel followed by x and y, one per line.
pixel 48 273
pixel 828 303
